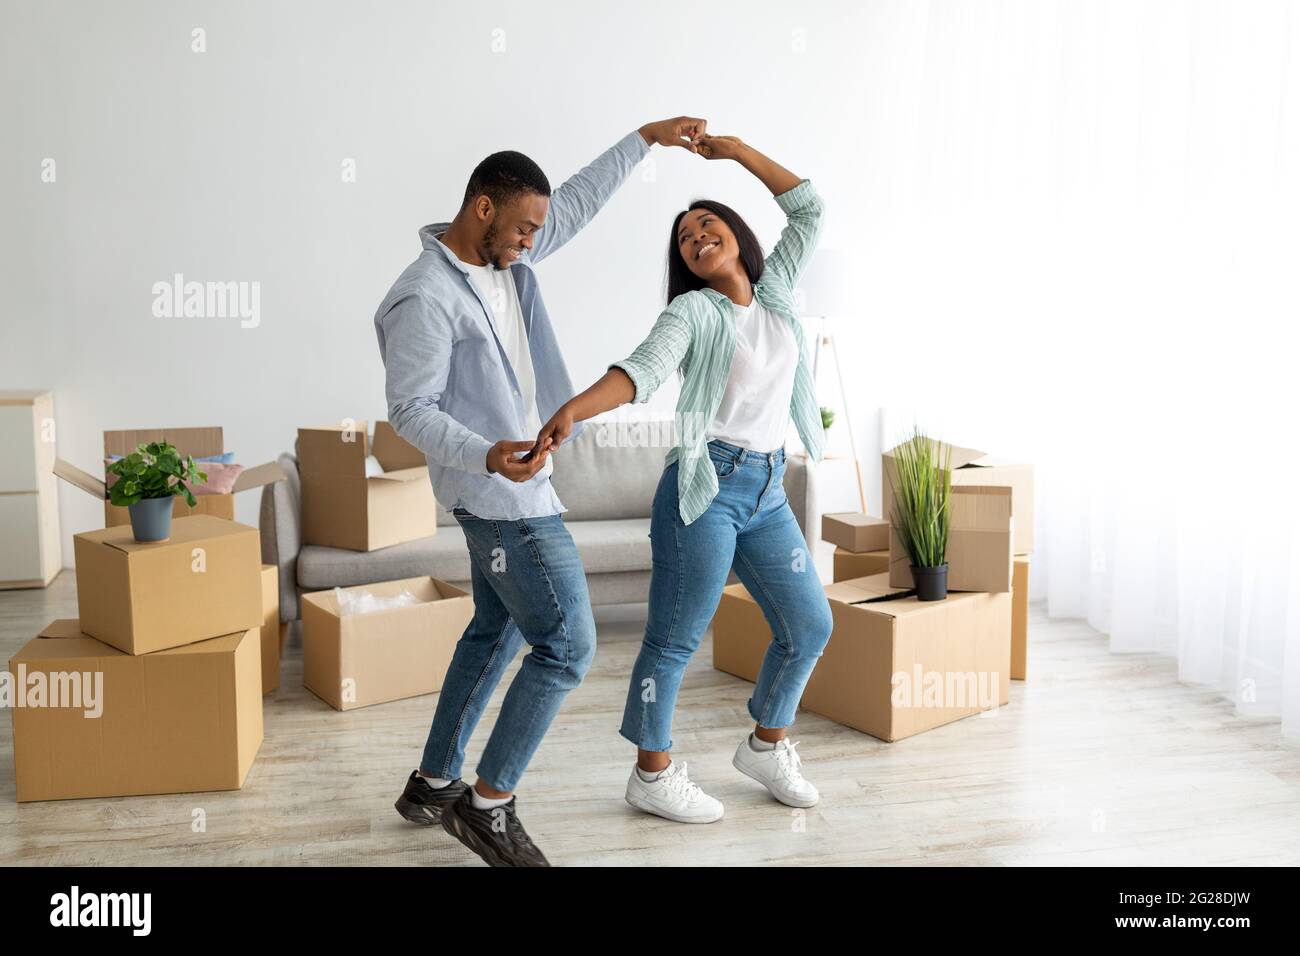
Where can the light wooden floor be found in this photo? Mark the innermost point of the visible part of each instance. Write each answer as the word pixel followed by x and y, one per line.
pixel 1099 759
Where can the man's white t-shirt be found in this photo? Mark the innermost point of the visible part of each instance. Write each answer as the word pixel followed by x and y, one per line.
pixel 497 287
pixel 755 408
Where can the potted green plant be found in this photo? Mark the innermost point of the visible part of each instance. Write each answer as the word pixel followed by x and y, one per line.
pixel 828 418
pixel 922 486
pixel 147 481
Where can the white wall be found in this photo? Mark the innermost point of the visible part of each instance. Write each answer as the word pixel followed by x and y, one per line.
pixel 1064 218
pixel 226 165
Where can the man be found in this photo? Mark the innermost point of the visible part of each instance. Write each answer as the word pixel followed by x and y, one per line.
pixel 473 369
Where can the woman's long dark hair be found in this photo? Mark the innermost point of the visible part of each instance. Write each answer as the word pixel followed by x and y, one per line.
pixel 682 279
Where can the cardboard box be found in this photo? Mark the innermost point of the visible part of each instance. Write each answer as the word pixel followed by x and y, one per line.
pixel 188 441
pixel 356 660
pixel 342 508
pixel 856 532
pixel 980 539
pixel 894 666
pixel 1020 619
pixel 183 720
pixel 971 467
pixel 140 597
pixel 270 630
pixel 849 565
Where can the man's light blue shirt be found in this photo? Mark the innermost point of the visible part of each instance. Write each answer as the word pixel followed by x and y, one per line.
pixel 452 392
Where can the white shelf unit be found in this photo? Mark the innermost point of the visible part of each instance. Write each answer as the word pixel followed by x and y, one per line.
pixel 30 550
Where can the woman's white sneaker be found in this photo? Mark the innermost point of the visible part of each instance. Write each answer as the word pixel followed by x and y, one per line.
pixel 673 796
pixel 779 770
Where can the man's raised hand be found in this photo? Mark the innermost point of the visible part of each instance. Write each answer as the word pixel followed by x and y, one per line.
pixel 684 131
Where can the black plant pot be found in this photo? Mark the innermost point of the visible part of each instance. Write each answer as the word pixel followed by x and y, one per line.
pixel 931 583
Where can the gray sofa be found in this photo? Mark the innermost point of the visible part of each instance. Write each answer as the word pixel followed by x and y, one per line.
pixel 606 478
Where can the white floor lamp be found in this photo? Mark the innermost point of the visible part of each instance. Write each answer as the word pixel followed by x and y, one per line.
pixel 824 293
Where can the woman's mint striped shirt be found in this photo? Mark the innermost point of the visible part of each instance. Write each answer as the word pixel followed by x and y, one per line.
pixel 697 334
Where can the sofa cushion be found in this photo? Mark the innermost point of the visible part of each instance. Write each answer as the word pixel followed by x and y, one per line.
pixel 443 555
pixel 611 470
pixel 603 546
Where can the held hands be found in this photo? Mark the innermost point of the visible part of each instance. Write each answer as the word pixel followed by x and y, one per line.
pixel 685 131
pixel 556 431
pixel 501 459
pixel 720 147
pixel 691 133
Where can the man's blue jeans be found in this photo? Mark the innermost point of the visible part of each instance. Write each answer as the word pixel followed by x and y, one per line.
pixel 748 526
pixel 528 586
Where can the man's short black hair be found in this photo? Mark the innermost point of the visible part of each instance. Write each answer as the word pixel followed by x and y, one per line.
pixel 505 176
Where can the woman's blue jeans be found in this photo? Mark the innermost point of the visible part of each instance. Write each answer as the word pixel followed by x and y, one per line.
pixel 748 527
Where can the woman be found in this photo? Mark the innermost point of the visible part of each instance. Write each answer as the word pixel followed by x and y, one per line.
pixel 730 328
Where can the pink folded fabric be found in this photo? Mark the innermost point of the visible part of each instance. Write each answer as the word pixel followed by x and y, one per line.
pixel 221 478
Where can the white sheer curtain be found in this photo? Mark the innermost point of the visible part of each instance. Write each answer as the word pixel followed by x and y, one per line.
pixel 1082 248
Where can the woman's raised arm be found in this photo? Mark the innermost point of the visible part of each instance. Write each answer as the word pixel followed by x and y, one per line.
pixel 771 173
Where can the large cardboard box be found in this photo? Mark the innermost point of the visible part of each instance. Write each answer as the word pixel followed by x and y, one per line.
pixel 356 660
pixel 971 467
pixel 342 508
pixel 980 539
pixel 140 597
pixel 856 532
pixel 270 631
pixel 1020 619
pixel 847 564
pixel 110 724
pixel 894 666
pixel 188 441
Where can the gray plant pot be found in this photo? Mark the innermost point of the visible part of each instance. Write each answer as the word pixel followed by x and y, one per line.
pixel 151 519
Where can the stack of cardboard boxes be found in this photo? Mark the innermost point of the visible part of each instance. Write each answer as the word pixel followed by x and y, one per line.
pixel 157 688
pixel 198 442
pixel 364 493
pixel 896 666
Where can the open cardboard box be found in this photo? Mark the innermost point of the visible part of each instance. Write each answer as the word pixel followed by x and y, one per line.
pixel 354 660
pixel 183 720
pixel 342 508
pixel 188 441
pixel 894 666
pixel 971 467
pixel 980 538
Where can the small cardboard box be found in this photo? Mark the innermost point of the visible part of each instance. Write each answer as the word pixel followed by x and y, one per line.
pixel 980 539
pixel 856 532
pixel 1020 619
pixel 356 660
pixel 894 666
pixel 971 467
pixel 183 720
pixel 849 565
pixel 270 631
pixel 342 508
pixel 140 597
pixel 188 441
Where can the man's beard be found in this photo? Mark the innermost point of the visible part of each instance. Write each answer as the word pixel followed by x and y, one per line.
pixel 493 255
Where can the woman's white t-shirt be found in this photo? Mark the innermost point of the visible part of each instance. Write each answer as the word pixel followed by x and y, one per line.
pixel 755 408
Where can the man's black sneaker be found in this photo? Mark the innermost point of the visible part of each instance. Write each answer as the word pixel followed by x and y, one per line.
pixel 423 804
pixel 496 835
